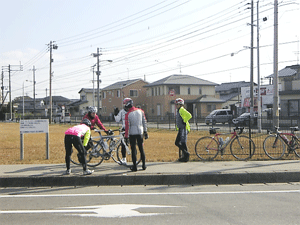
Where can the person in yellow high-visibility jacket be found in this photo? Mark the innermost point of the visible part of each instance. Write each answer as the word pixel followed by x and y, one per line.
pixel 182 125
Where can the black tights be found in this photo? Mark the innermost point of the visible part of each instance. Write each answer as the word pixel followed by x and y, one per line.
pixel 139 140
pixel 77 143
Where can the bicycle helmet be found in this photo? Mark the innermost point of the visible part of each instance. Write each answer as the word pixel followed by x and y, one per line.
pixel 128 103
pixel 86 122
pixel 179 101
pixel 92 109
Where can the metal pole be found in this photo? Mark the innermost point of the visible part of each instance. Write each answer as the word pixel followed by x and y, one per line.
pixel 23 99
pixel 10 103
pixel 98 80
pixel 34 90
pixel 50 83
pixel 258 76
pixel 251 63
pixel 275 80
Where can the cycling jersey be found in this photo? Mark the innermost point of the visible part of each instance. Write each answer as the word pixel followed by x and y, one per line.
pixel 94 121
pixel 81 130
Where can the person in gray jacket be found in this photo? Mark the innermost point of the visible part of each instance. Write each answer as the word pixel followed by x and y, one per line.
pixel 135 128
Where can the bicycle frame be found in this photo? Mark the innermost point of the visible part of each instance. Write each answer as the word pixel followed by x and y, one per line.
pixel 234 134
pixel 282 135
pixel 112 145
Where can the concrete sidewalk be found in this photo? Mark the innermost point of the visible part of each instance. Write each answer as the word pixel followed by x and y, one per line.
pixel 157 173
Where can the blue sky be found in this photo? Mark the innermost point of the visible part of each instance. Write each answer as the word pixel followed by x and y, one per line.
pixel 145 39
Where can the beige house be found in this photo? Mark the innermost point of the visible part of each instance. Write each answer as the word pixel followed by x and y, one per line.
pixel 199 95
pixel 289 90
pixel 113 95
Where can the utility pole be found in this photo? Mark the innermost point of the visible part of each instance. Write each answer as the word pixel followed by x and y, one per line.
pixel 11 68
pixel 251 63
pixel 275 80
pixel 2 86
pixel 33 70
pixel 51 46
pixel 98 72
pixel 98 80
pixel 258 76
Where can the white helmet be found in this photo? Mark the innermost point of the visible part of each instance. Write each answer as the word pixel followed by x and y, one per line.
pixel 179 101
pixel 92 109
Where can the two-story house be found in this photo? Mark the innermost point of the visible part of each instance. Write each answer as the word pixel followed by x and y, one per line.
pixel 230 93
pixel 199 95
pixel 113 95
pixel 289 90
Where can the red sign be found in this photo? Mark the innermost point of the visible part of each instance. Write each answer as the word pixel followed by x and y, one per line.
pixel 172 92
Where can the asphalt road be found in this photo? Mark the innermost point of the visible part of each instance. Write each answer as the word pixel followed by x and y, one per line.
pixel 205 204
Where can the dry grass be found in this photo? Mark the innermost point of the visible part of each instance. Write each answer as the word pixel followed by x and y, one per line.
pixel 158 148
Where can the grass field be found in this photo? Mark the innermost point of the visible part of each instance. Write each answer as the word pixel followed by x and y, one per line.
pixel 158 148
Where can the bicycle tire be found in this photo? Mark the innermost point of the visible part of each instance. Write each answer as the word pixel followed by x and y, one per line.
pixel 296 147
pixel 95 156
pixel 207 148
pixel 74 158
pixel 242 147
pixel 274 150
pixel 128 156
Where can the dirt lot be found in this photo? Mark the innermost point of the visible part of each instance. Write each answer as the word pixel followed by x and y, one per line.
pixel 159 147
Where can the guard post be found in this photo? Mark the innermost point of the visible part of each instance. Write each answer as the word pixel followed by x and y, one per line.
pixel 34 126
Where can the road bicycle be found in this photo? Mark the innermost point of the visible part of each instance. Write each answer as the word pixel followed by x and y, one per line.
pixel 276 145
pixel 106 147
pixel 241 147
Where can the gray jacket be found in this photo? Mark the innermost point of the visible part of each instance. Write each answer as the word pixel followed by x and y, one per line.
pixel 136 123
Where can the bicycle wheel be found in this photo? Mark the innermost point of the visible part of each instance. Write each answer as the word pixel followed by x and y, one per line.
pixel 274 147
pixel 296 147
pixel 207 148
pixel 242 147
pixel 95 156
pixel 128 155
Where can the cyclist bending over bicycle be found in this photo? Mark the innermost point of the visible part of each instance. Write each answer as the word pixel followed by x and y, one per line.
pixel 73 138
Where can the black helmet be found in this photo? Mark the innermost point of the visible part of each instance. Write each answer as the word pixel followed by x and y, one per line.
pixel 86 122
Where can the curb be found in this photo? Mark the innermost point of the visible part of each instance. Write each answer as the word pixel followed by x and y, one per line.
pixel 157 179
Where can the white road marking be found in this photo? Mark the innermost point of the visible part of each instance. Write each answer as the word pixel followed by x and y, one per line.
pixel 107 211
pixel 154 193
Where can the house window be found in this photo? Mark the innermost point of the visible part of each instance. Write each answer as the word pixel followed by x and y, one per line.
pixel 293 107
pixel 118 93
pixel 189 91
pixel 83 97
pixel 211 108
pixel 103 94
pixel 152 91
pixel 200 91
pixel 175 88
pixel 133 93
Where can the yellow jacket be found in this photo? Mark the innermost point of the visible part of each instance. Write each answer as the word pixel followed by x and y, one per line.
pixel 186 116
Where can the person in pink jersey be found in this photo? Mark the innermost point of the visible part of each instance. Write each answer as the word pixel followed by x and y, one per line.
pixel 73 137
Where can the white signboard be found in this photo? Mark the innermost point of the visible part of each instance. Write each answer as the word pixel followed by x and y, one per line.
pixel 34 126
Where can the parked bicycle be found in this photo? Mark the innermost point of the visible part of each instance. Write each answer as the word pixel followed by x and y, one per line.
pixel 106 147
pixel 276 145
pixel 241 147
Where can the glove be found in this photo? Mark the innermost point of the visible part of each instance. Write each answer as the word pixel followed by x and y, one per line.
pixel 116 111
pixel 126 141
pixel 146 135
